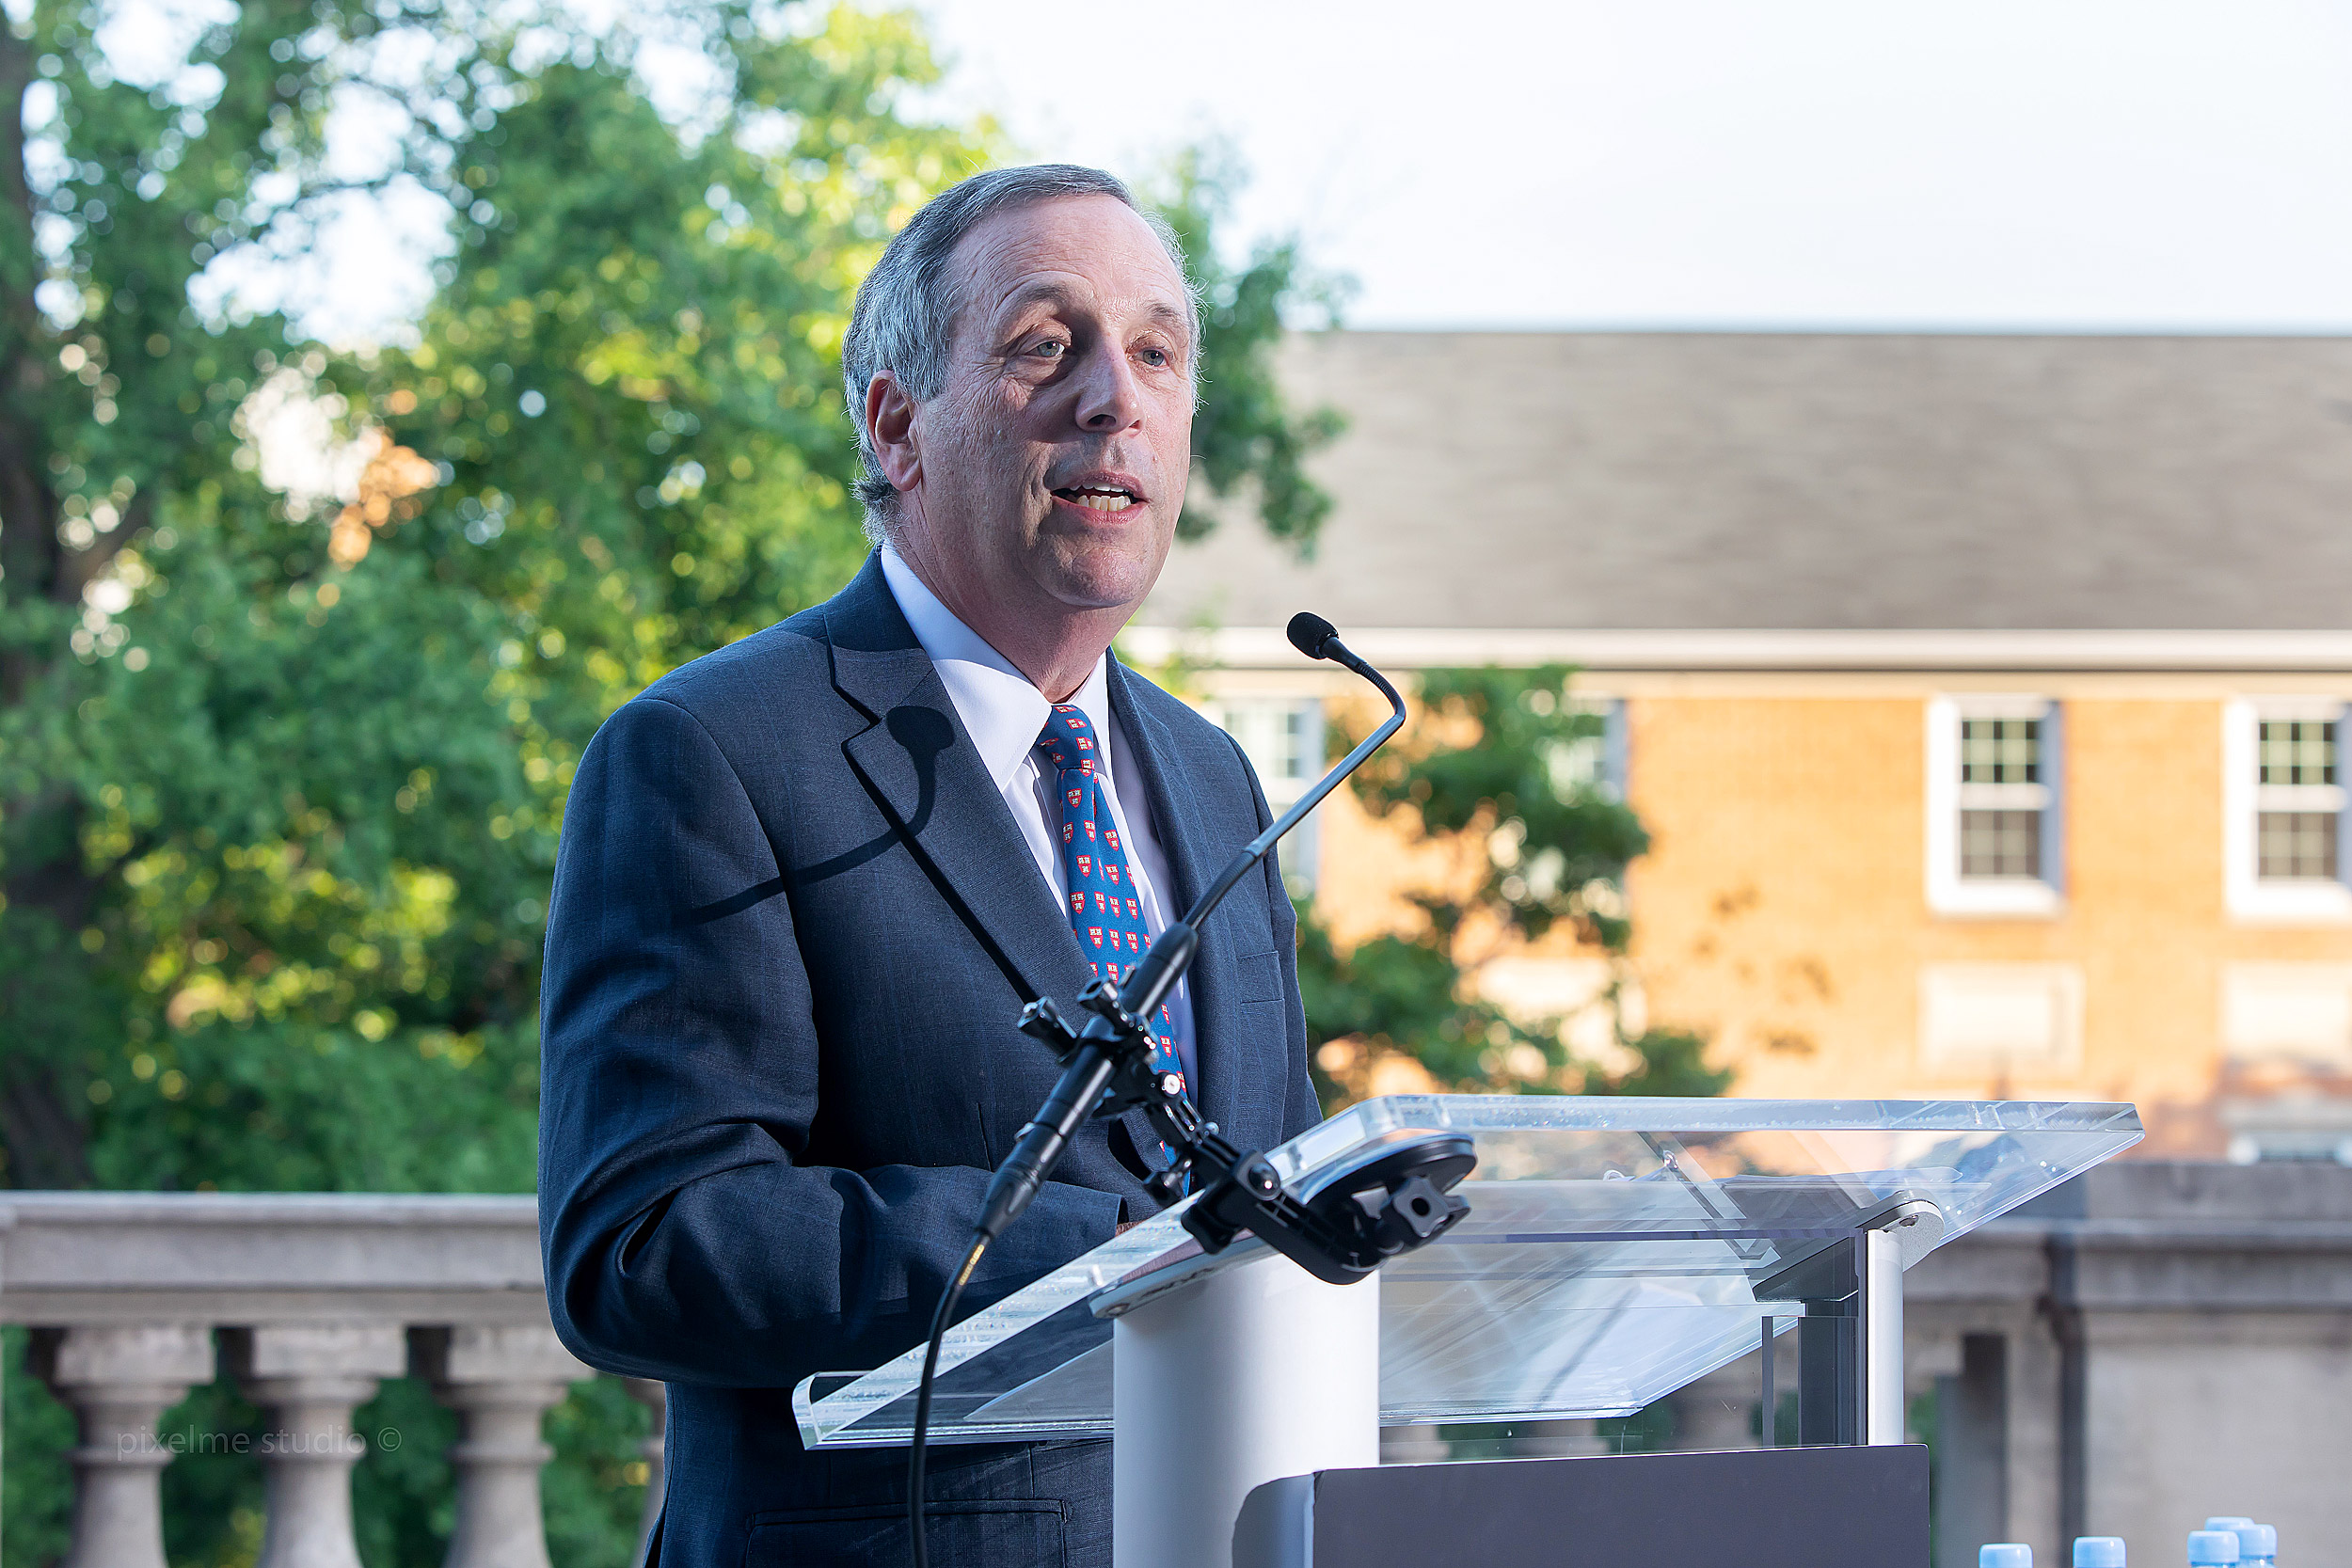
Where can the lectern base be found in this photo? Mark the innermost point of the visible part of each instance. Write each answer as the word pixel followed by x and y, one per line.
pixel 1217 1385
pixel 1770 1508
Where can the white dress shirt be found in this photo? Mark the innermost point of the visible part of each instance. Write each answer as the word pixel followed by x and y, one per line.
pixel 1004 714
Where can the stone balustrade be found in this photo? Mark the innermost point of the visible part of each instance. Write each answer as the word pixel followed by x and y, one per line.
pixel 2153 1342
pixel 309 1301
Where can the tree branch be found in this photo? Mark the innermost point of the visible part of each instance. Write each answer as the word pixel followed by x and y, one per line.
pixel 78 569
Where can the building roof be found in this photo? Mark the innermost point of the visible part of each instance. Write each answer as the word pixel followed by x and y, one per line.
pixel 1727 483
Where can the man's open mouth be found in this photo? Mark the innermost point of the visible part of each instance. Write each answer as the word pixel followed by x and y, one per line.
pixel 1100 497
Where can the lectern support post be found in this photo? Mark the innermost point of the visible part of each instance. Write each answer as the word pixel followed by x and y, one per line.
pixel 1850 1370
pixel 1880 1332
pixel 1257 1371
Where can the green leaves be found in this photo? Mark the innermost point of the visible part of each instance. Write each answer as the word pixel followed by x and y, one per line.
pixel 1514 770
pixel 1524 764
pixel 280 774
pixel 1249 448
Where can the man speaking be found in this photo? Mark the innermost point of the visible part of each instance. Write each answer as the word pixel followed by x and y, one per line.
pixel 807 883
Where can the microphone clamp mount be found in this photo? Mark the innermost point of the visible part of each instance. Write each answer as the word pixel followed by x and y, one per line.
pixel 1343 1229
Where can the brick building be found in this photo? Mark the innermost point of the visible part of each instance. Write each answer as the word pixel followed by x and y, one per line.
pixel 1983 695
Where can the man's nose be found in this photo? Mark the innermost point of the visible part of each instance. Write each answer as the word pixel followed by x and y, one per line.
pixel 1109 397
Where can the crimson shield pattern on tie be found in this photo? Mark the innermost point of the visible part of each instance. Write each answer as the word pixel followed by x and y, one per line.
pixel 1109 920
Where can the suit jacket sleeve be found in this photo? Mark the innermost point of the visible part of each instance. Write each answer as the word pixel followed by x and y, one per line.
pixel 684 1238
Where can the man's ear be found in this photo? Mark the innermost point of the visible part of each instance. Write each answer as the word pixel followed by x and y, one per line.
pixel 890 426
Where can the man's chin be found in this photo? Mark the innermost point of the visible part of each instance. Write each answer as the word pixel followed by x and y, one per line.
pixel 1100 574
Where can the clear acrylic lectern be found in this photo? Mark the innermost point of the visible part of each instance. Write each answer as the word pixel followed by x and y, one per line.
pixel 1615 1250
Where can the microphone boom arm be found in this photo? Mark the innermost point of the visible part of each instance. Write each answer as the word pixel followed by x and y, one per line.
pixel 1251 853
pixel 1396 1196
pixel 1106 1070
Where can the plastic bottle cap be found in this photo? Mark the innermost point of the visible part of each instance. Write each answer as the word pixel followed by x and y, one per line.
pixel 2210 1548
pixel 2098 1551
pixel 2256 1541
pixel 2009 1554
pixel 2228 1521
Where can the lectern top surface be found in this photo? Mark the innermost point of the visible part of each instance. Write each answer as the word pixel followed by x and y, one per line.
pixel 1615 1250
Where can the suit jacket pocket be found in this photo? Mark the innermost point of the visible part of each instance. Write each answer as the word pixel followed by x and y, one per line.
pixel 966 1534
pixel 1257 977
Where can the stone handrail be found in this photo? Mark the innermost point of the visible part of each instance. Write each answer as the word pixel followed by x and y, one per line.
pixel 308 1301
pixel 2076 1349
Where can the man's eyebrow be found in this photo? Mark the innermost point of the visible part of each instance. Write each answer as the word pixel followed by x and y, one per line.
pixel 1039 293
pixel 1168 314
pixel 1045 292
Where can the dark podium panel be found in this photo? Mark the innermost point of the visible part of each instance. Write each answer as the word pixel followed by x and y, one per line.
pixel 1767 1508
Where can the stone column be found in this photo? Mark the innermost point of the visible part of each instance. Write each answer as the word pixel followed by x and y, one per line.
pixel 500 1381
pixel 308 1378
pixel 655 1396
pixel 119 1381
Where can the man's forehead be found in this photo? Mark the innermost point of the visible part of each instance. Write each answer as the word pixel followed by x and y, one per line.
pixel 1072 249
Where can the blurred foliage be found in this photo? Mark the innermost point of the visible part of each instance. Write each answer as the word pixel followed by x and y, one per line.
pixel 1247 444
pixel 36 1474
pixel 1526 770
pixel 1509 767
pixel 282 759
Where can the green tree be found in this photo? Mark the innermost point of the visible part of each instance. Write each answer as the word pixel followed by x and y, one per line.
pixel 1506 764
pixel 281 765
pixel 1249 447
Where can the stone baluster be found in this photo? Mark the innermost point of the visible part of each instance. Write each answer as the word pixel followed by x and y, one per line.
pixel 119 1381
pixel 1714 1412
pixel 1572 1439
pixel 308 1378
pixel 500 1381
pixel 1417 1444
pixel 655 1396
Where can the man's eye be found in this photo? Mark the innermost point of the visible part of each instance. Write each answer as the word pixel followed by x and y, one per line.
pixel 1050 348
pixel 1155 357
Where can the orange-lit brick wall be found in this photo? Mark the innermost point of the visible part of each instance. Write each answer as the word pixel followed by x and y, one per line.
pixel 1783 908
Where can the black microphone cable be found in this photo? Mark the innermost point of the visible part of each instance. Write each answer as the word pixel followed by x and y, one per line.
pixel 940 1319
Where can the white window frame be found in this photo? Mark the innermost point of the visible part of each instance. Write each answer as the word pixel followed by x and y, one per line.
pixel 1599 759
pixel 1302 851
pixel 2317 901
pixel 1994 897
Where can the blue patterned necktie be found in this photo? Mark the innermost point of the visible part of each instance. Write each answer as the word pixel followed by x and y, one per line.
pixel 1105 906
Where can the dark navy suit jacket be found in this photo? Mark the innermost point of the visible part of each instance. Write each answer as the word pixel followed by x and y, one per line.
pixel 793 926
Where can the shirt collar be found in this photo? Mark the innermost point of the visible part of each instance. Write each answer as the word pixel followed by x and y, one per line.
pixel 1002 711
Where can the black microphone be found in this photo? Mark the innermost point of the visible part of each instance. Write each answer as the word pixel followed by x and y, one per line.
pixel 1317 638
pixel 1310 632
pixel 1088 1070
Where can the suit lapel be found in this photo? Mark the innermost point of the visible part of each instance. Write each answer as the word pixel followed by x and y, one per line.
pixel 1220 1052
pixel 923 770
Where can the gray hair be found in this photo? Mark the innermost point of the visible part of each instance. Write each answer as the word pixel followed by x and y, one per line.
pixel 906 309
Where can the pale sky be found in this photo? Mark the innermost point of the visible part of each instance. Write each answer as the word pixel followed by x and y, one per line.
pixel 2034 165
pixel 2037 163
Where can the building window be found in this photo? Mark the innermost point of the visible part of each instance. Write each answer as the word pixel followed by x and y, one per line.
pixel 1594 761
pixel 2284 799
pixel 1994 835
pixel 2000 843
pixel 1282 736
pixel 2296 767
pixel 2290 846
